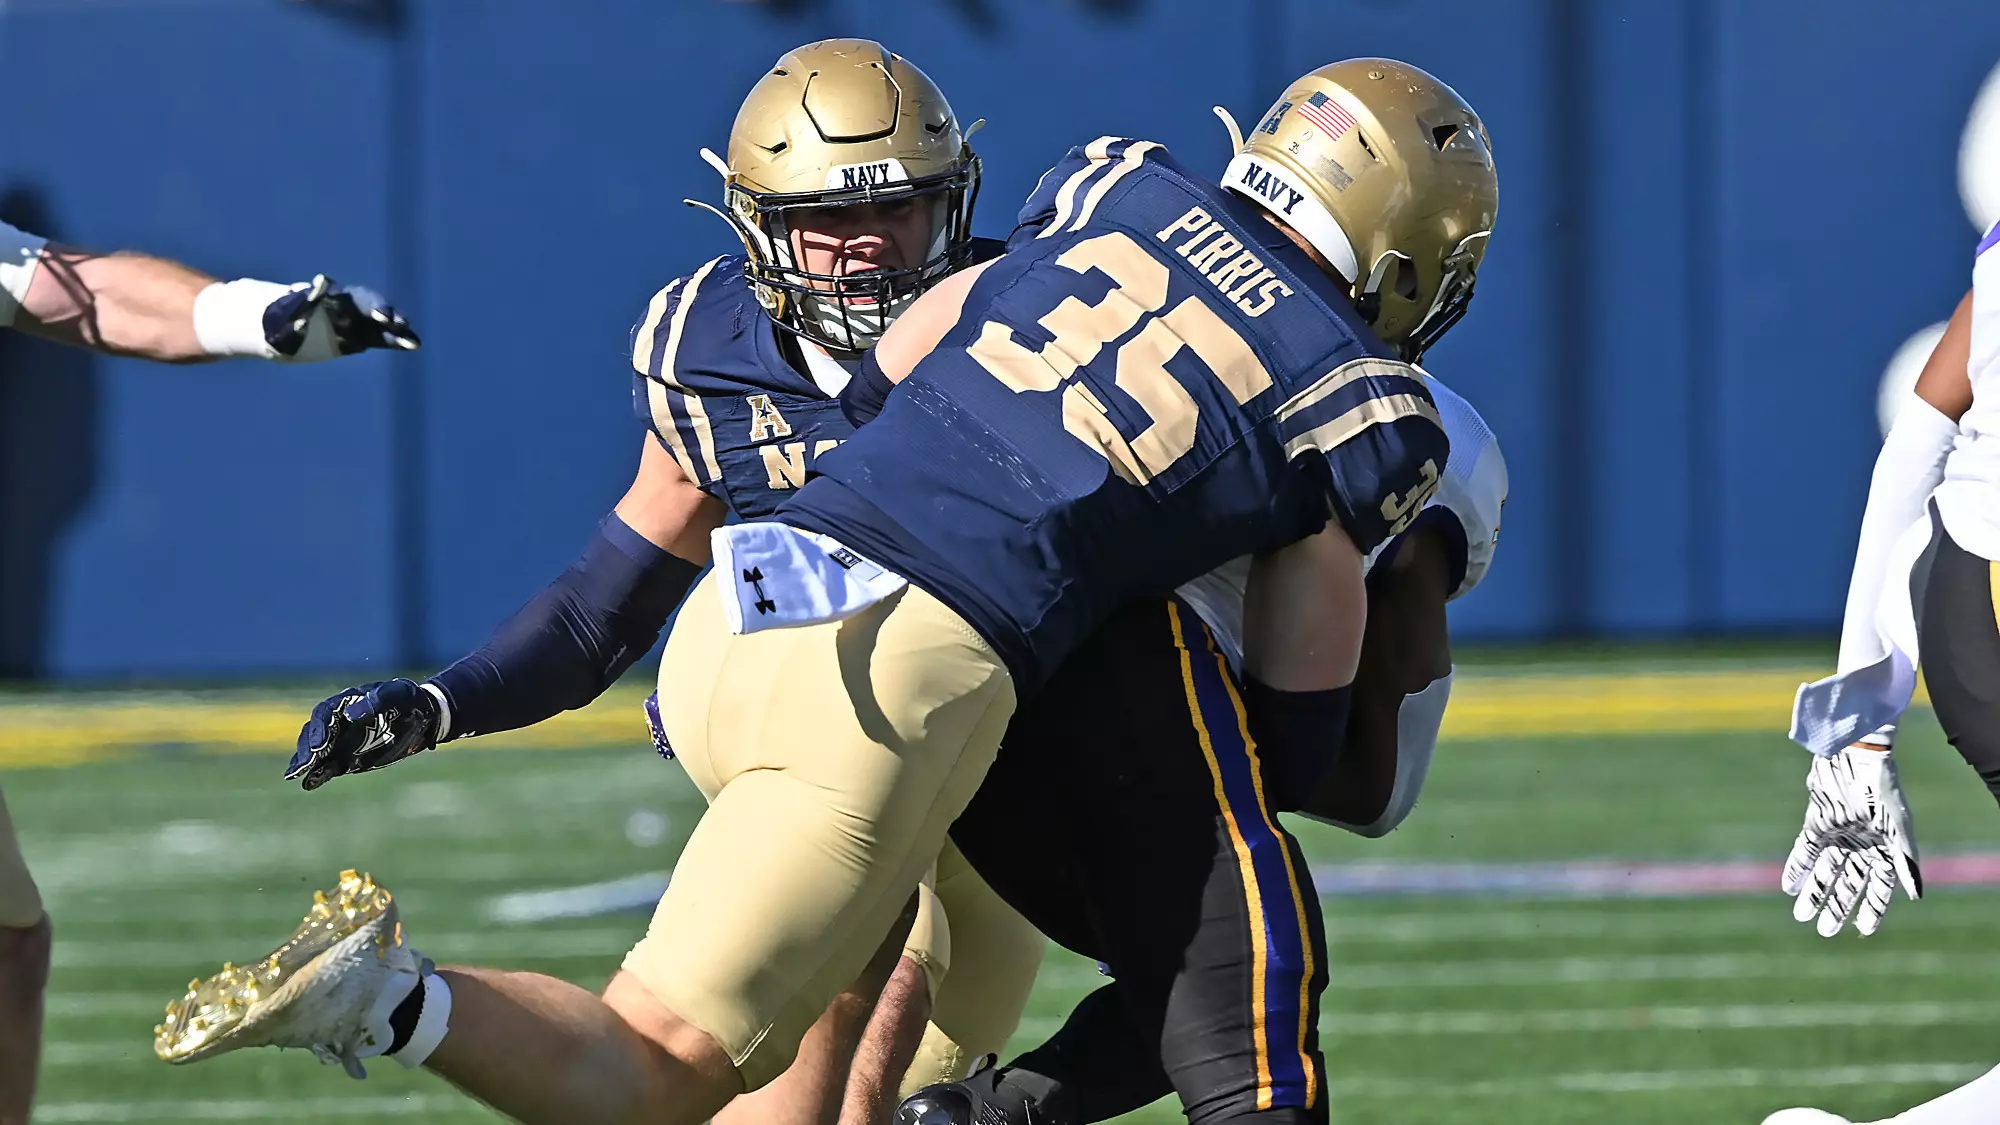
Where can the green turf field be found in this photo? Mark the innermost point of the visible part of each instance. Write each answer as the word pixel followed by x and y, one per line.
pixel 160 862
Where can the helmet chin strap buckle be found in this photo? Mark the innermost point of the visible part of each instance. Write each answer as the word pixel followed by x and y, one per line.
pixel 1368 295
pixel 1454 296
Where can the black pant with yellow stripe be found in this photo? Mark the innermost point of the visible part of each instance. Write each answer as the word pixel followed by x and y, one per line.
pixel 1130 817
pixel 1956 596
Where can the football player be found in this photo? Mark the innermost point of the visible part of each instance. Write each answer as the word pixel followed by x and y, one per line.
pixel 1159 855
pixel 1926 581
pixel 1136 863
pixel 130 304
pixel 1009 499
pixel 851 185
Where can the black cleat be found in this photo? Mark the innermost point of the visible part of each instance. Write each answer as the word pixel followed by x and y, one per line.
pixel 959 1103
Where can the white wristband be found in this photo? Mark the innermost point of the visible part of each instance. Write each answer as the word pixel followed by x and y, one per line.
pixel 229 317
pixel 444 708
pixel 20 255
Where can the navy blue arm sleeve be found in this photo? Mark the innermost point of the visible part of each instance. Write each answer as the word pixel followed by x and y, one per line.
pixel 1299 733
pixel 571 641
pixel 866 391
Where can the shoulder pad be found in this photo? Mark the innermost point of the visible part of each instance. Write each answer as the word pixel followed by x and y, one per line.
pixel 1078 180
pixel 1474 487
pixel 706 334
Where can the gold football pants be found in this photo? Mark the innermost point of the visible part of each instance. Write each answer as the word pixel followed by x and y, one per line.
pixel 834 757
pixel 990 954
pixel 20 902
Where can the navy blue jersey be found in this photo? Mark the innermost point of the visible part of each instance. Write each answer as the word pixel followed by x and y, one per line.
pixel 714 385
pixel 1152 381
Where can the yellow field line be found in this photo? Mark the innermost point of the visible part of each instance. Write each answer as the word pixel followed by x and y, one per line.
pixel 72 730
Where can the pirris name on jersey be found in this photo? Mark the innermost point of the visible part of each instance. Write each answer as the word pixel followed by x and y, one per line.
pixel 1238 273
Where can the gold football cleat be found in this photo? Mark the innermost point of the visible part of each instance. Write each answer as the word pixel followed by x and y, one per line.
pixel 319 990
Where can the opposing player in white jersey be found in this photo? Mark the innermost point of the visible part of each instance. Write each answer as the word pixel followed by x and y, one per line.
pixel 1926 587
pixel 1406 672
pixel 131 304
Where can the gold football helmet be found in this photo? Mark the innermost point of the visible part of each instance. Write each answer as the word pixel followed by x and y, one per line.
pixel 836 123
pixel 1390 176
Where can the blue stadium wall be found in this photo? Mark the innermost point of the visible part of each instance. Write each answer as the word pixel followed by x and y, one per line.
pixel 1719 220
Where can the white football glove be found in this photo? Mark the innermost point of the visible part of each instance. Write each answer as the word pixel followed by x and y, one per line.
pixel 1856 846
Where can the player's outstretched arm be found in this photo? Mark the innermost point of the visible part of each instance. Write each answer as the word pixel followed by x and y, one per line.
pixel 127 303
pixel 559 652
pixel 1405 653
pixel 1304 612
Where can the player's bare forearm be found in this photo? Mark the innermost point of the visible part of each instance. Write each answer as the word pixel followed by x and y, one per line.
pixel 895 1031
pixel 924 323
pixel 1406 646
pixel 1303 614
pixel 122 303
pixel 1946 380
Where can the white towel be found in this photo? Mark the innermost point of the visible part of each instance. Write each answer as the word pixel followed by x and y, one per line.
pixel 779 577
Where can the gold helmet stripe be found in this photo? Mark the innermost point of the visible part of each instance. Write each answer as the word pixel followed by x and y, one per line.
pixel 1300 208
pixel 1135 154
pixel 1099 151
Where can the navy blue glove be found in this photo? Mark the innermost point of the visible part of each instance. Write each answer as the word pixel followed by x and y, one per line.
pixel 320 320
pixel 365 728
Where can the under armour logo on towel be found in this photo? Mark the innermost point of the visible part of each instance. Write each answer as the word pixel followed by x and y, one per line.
pixel 781 577
pixel 755 576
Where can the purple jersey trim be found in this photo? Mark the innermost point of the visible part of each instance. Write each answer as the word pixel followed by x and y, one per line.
pixel 1991 240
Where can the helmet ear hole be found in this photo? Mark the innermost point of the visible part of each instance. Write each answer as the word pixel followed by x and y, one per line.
pixel 1406 279
pixel 1441 135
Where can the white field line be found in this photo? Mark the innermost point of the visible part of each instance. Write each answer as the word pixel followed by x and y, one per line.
pixel 252 1109
pixel 1734 1017
pixel 69 1005
pixel 1667 1081
pixel 630 894
pixel 1720 917
pixel 1698 966
pixel 1739 1017
pixel 1349 976
pixel 129 1048
pixel 441 946
pixel 1729 1017
pixel 1359 976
